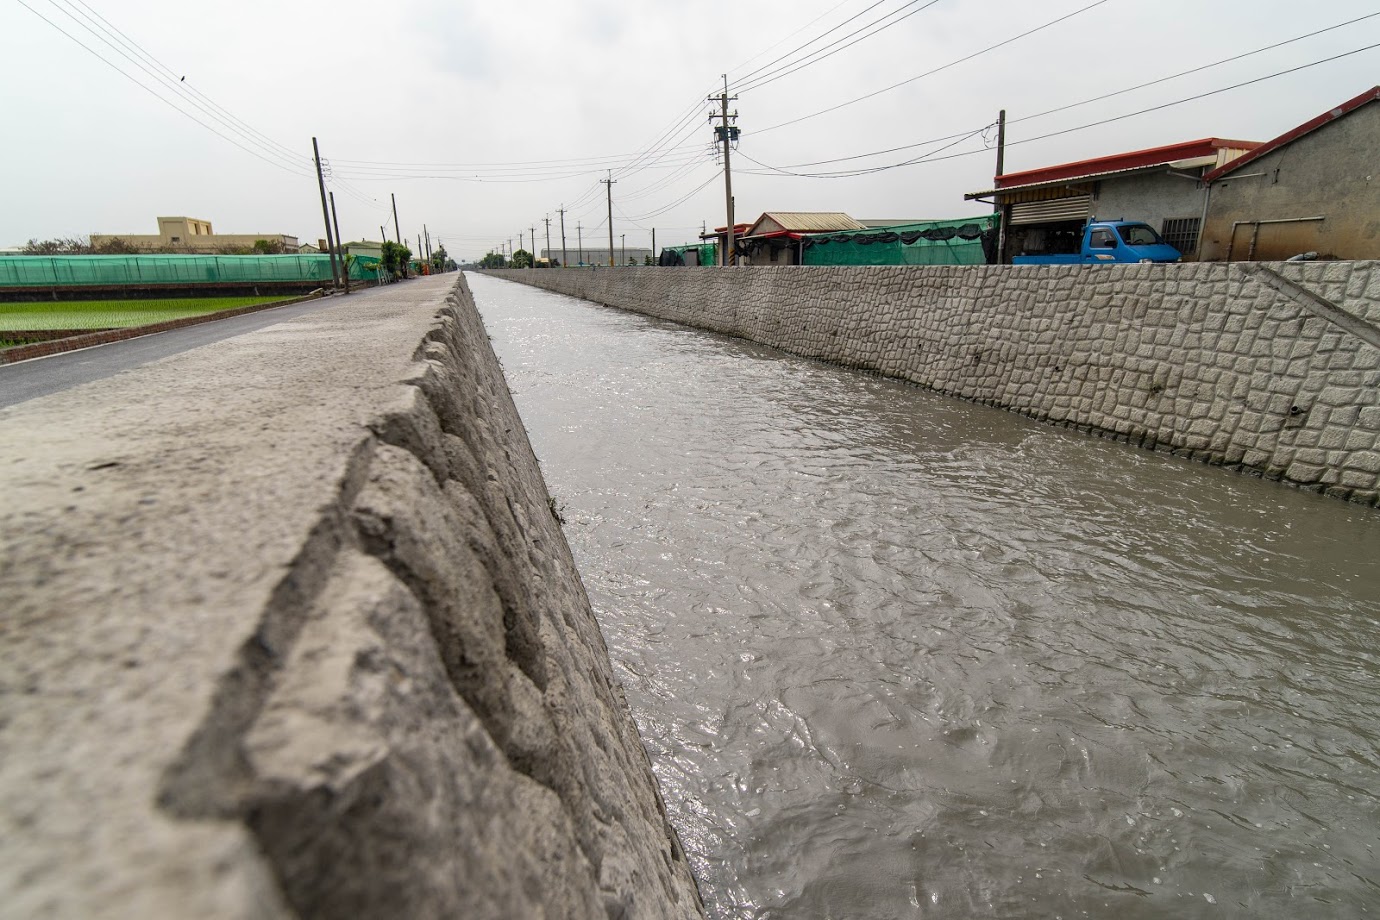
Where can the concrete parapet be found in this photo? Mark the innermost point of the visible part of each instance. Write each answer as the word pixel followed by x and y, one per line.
pixel 290 631
pixel 1201 359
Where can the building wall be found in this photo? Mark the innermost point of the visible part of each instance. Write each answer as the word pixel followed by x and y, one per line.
pixel 193 234
pixel 1333 172
pixel 1199 359
pixel 1152 198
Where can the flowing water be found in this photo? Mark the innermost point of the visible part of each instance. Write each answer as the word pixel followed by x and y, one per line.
pixel 897 655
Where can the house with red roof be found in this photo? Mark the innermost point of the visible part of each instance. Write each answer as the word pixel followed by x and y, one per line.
pixel 1043 210
pixel 1315 188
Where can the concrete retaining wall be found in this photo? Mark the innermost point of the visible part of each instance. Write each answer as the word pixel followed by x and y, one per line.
pixel 1203 360
pixel 290 631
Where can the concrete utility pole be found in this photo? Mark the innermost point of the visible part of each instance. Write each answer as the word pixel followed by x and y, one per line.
pixel 427 235
pixel 580 233
pixel 533 238
pixel 654 258
pixel 383 237
pixel 608 183
pixel 563 236
pixel 1001 168
pixel 344 263
pixel 325 212
pixel 724 100
pixel 548 238
pixel 623 249
pixel 396 231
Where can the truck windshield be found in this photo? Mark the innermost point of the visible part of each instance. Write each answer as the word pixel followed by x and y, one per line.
pixel 1139 235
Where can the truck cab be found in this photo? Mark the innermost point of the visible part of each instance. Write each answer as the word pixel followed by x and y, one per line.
pixel 1111 241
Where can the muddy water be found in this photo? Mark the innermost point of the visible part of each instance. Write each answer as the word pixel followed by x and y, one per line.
pixel 896 655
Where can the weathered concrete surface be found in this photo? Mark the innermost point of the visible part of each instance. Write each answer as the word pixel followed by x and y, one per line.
pixel 1202 360
pixel 290 631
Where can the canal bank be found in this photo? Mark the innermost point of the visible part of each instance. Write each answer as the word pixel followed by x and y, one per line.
pixel 1205 360
pixel 291 630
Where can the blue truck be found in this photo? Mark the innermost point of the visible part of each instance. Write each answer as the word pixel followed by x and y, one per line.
pixel 1111 241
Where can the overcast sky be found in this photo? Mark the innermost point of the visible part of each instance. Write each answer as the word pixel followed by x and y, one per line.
pixel 485 118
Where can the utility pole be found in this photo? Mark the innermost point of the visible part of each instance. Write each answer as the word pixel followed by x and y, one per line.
pixel 580 232
pixel 609 184
pixel 1001 168
pixel 654 254
pixel 325 213
pixel 622 249
pixel 548 239
pixel 344 264
pixel 427 234
pixel 396 231
pixel 383 237
pixel 533 238
pixel 562 236
pixel 726 136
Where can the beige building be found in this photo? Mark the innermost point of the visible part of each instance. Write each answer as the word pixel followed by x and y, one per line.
pixel 194 234
pixel 1315 188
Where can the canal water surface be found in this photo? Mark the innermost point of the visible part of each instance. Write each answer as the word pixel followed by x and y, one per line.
pixel 897 655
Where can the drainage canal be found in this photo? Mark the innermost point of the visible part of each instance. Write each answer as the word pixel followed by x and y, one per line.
pixel 896 655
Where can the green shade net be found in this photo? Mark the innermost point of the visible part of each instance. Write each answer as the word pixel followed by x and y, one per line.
pixel 935 242
pixel 708 252
pixel 63 271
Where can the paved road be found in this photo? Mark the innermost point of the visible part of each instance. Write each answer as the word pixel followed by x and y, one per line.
pixel 41 376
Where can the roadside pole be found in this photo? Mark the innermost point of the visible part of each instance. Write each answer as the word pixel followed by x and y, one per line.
pixel 325 212
pixel 344 265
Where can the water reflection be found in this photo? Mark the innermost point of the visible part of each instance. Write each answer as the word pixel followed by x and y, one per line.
pixel 896 655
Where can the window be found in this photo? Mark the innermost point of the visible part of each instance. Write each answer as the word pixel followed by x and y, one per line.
pixel 1103 239
pixel 1181 233
pixel 1139 235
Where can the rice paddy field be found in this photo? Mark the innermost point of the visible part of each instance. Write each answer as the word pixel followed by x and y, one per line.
pixel 80 315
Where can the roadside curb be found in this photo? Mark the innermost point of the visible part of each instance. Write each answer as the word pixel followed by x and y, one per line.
pixel 87 340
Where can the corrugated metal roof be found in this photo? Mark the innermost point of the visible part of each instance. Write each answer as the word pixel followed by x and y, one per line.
pixel 1120 162
pixel 1346 108
pixel 806 221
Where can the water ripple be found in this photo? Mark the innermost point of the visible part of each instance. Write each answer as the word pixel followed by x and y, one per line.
pixel 895 655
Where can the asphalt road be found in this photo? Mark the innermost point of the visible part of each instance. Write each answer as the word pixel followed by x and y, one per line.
pixel 41 376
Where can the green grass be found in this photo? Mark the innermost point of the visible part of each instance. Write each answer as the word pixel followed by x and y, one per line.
pixel 109 314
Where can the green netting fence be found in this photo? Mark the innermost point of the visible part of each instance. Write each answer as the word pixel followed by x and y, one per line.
pixel 964 241
pixel 707 253
pixel 77 271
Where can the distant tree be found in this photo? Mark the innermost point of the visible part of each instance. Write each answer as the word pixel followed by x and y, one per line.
pixel 492 260
pixel 439 259
pixel 117 246
pixel 522 259
pixel 62 246
pixel 632 260
pixel 647 259
pixel 395 257
pixel 268 247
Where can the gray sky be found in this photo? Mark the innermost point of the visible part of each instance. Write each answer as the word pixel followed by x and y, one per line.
pixel 484 118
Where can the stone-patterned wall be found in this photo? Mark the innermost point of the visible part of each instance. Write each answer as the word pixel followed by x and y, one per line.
pixel 1198 359
pixel 292 631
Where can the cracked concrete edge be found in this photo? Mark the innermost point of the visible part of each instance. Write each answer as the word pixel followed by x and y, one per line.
pixel 246 586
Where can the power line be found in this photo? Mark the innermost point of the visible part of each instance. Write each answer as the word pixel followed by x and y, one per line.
pixel 178 85
pixel 936 70
pixel 787 38
pixel 1082 102
pixel 92 14
pixel 801 65
pixel 164 99
pixel 772 63
pixel 770 170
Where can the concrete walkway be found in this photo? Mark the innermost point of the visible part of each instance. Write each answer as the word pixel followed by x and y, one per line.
pixel 226 687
